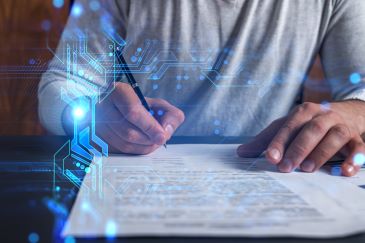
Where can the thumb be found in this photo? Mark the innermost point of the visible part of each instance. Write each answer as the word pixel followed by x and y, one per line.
pixel 260 142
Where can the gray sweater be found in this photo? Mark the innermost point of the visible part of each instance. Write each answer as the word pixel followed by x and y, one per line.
pixel 233 66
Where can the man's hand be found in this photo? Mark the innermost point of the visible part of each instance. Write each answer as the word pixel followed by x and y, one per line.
pixel 128 127
pixel 311 135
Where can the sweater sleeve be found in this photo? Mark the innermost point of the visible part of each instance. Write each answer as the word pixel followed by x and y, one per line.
pixel 84 38
pixel 343 51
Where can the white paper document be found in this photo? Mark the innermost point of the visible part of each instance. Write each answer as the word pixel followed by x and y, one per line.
pixel 206 190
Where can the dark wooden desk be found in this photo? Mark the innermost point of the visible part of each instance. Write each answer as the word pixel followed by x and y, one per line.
pixel 25 199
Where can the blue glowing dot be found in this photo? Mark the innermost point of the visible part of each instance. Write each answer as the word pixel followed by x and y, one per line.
pixel 217 78
pixel 94 5
pixel 155 86
pixel 69 239
pixel 336 171
pixel 82 167
pixel 87 170
pixel 58 188
pixel 139 49
pixel 31 61
pixel 76 10
pixel 359 159
pixel 111 54
pixel 186 77
pixel 91 78
pixel 178 77
pixel 147 68
pixel 78 113
pixel 325 106
pixel 46 25
pixel 225 62
pixel 355 78
pixel 58 3
pixel 154 77
pixel 152 112
pixel 216 131
pixel 81 72
pixel 77 164
pixel 217 122
pixel 201 77
pixel 85 206
pixel 110 229
pixel 33 237
pixel 86 76
pixel 178 86
pixel 160 112
pixel 134 59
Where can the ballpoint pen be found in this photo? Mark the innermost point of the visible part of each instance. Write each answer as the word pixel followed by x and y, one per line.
pixel 131 80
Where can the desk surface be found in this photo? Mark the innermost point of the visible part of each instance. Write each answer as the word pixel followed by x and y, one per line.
pixel 26 204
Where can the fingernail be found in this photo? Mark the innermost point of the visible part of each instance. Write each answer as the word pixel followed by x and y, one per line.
pixel 274 154
pixel 159 139
pixel 308 166
pixel 350 169
pixel 285 166
pixel 169 129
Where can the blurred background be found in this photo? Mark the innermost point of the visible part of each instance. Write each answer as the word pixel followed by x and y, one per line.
pixel 29 33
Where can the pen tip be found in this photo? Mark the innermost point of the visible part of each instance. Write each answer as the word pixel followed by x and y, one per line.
pixel 165 145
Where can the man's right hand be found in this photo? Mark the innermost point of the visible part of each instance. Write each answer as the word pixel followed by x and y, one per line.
pixel 128 127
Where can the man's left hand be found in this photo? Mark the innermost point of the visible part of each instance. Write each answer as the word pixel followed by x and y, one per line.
pixel 311 135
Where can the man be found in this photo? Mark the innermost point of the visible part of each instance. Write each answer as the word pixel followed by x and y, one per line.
pixel 265 49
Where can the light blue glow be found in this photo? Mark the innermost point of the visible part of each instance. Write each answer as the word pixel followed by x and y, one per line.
pixel 76 10
pixel 58 3
pixel 355 78
pixel 78 164
pixel 325 106
pixel 178 86
pixel 87 170
pixel 134 59
pixel 201 77
pixel 46 25
pixel 70 239
pixel 85 206
pixel 186 77
pixel 94 5
pixel 110 229
pixel 217 122
pixel 33 237
pixel 155 86
pixel 160 112
pixel 58 188
pixel 78 113
pixel 178 77
pixel 81 72
pixel 82 167
pixel 359 159
pixel 111 54
pixel 216 131
pixel 139 49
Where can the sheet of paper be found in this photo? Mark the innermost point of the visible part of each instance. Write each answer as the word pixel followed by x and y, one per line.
pixel 206 190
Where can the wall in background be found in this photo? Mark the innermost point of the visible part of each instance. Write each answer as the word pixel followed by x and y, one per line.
pixel 23 35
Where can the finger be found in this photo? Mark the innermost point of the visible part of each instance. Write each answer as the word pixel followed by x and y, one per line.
pixel 118 145
pixel 356 159
pixel 288 131
pixel 125 130
pixel 335 139
pixel 169 116
pixel 258 145
pixel 308 138
pixel 130 133
pixel 131 108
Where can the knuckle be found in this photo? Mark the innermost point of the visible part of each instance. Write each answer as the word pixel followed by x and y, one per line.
pixel 342 131
pixel 322 155
pixel 298 150
pixel 317 127
pixel 131 135
pixel 308 106
pixel 133 114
